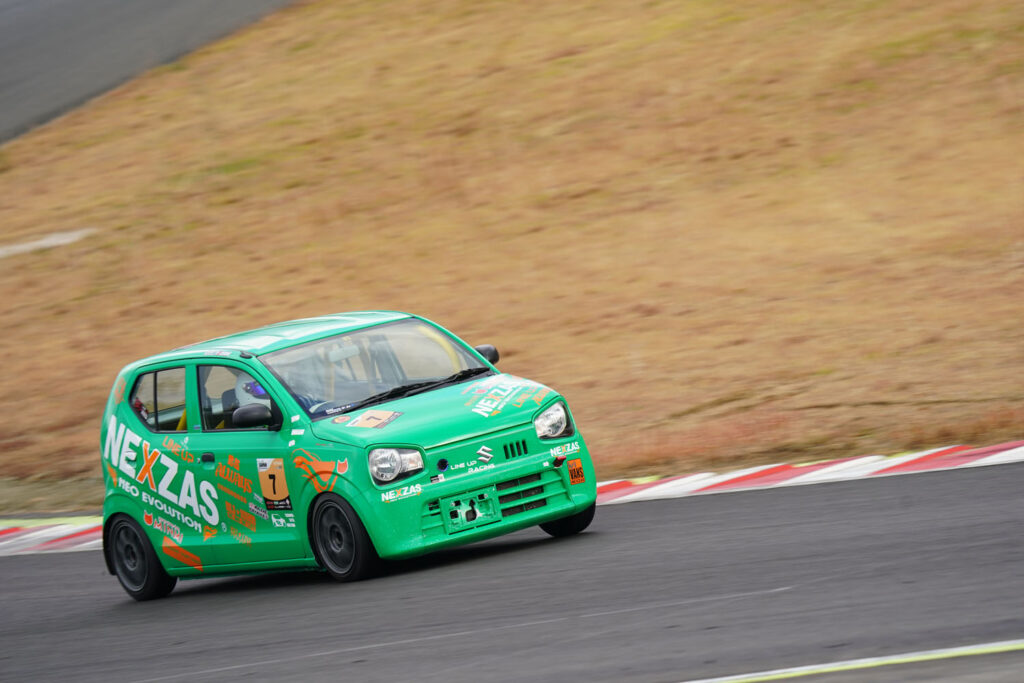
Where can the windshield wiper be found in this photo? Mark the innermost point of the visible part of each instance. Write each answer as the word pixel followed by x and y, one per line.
pixel 450 379
pixel 394 392
pixel 415 388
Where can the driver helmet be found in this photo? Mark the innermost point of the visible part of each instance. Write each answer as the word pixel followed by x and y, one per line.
pixel 248 391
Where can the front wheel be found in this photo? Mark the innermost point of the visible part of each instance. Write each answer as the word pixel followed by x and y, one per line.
pixel 339 539
pixel 135 562
pixel 573 524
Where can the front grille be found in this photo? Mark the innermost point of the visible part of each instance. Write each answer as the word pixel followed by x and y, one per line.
pixel 514 449
pixel 509 497
pixel 516 509
pixel 521 481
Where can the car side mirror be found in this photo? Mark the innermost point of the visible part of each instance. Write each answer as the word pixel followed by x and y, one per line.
pixel 488 352
pixel 252 415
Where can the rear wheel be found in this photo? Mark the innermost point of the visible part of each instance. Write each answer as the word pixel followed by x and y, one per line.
pixel 135 562
pixel 573 524
pixel 339 539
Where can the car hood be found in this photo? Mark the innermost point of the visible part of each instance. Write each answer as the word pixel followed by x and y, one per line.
pixel 441 416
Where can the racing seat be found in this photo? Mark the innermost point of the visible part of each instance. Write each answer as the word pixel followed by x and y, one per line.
pixel 228 404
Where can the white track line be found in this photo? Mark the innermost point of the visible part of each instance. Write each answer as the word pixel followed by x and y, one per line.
pixel 869 663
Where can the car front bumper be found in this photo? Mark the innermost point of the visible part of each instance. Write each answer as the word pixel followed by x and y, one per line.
pixel 517 492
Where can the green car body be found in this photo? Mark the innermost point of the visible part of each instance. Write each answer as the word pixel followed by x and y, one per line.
pixel 219 488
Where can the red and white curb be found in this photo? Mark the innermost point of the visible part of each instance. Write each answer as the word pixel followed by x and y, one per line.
pixel 53 535
pixel 66 534
pixel 772 476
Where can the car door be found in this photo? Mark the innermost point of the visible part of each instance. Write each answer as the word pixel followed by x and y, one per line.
pixel 246 466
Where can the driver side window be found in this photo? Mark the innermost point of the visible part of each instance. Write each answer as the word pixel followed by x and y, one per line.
pixel 222 390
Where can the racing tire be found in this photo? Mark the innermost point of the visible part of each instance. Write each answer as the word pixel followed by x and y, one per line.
pixel 339 540
pixel 135 562
pixel 571 525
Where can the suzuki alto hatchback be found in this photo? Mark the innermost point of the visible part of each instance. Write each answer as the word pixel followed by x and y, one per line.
pixel 328 443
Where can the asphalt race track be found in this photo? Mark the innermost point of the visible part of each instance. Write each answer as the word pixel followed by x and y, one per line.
pixel 659 591
pixel 56 54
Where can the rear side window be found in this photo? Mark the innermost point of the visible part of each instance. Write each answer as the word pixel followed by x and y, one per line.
pixel 159 400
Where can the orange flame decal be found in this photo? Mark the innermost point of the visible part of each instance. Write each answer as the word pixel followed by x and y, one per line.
pixel 323 474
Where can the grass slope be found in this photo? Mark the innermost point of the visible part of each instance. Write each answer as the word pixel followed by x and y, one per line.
pixel 729 232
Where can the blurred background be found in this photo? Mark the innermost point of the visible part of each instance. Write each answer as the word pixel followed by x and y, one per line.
pixel 729 232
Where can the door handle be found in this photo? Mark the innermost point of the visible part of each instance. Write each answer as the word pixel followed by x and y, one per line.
pixel 206 457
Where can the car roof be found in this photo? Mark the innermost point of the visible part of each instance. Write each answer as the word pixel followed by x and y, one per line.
pixel 280 335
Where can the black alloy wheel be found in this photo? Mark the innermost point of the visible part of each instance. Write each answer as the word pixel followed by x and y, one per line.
pixel 135 562
pixel 339 539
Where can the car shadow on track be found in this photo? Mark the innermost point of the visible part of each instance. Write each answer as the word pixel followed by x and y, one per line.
pixel 393 569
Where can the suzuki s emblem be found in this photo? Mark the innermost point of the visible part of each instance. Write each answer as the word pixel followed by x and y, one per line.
pixel 485 454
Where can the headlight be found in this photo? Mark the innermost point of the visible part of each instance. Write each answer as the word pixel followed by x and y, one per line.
pixel 386 464
pixel 553 423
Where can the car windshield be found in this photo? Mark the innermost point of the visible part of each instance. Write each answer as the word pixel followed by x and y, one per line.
pixel 356 369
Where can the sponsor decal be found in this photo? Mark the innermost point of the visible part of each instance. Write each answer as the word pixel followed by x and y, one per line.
pixel 258 511
pixel 113 473
pixel 341 419
pixel 240 537
pixel 576 475
pixel 273 483
pixel 175 551
pixel 234 494
pixel 284 520
pixel 401 492
pixel 208 532
pixel 219 354
pixel 241 516
pixel 164 525
pixel 375 419
pixel 566 449
pixel 490 397
pixel 233 476
pixel 126 452
pixel 481 468
pixel 295 418
pixel 436 478
pixel 179 450
pixel 298 432
pixel 534 394
pixel 323 474
pixel 175 513
pixel 485 454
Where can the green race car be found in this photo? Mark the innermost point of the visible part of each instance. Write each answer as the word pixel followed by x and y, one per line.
pixel 328 443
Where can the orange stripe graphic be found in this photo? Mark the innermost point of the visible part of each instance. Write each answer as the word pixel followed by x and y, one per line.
pixel 174 550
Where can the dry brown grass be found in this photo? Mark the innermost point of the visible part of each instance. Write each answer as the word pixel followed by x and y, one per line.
pixel 728 232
